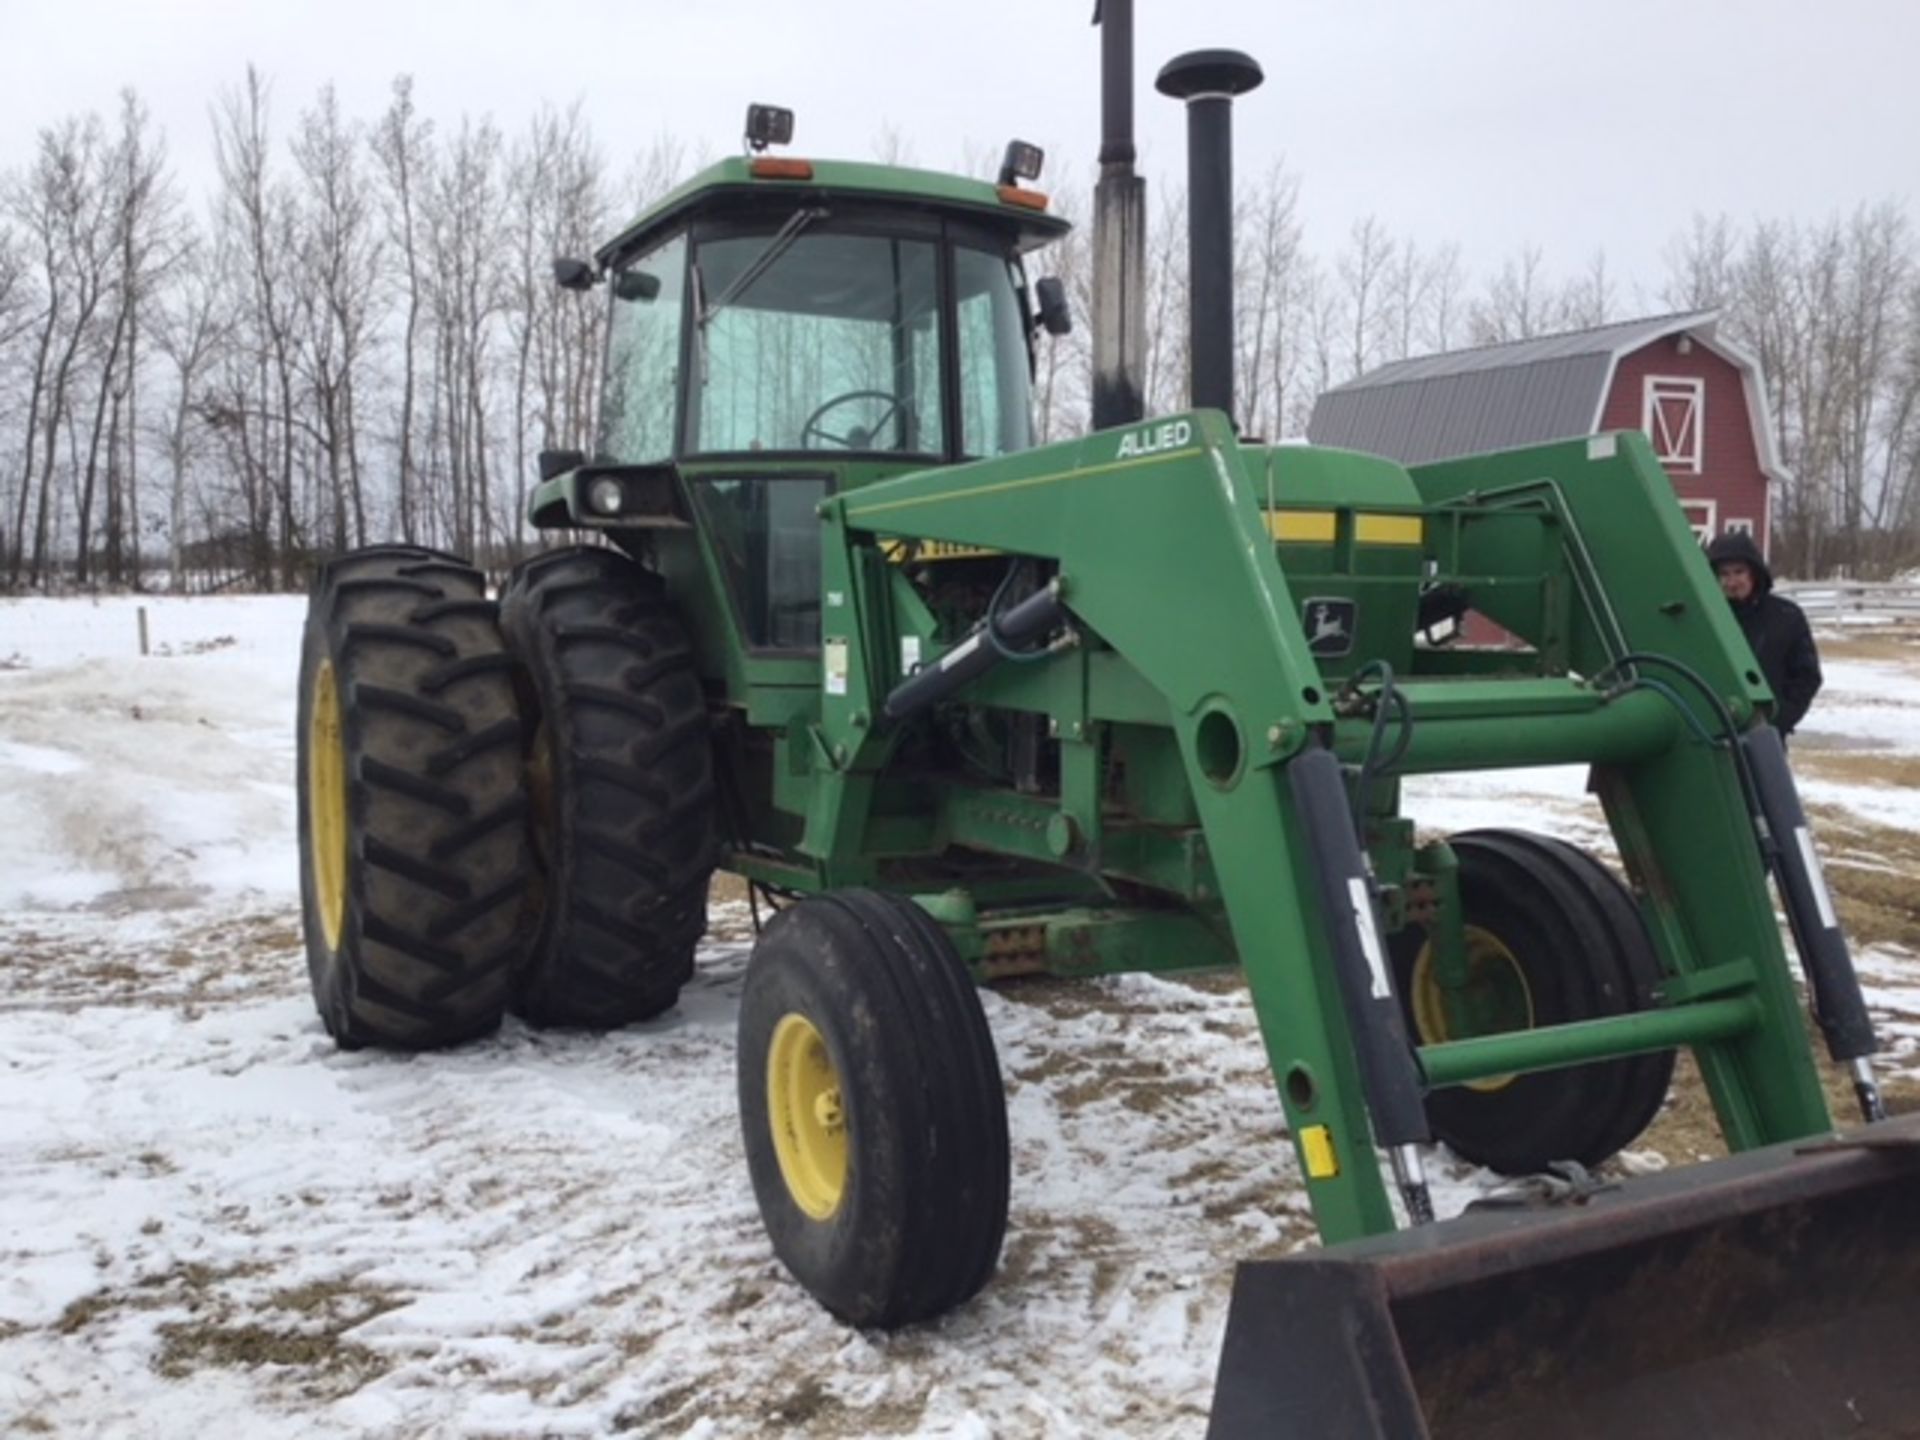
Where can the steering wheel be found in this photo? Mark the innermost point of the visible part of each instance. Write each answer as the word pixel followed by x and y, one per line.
pixel 856 438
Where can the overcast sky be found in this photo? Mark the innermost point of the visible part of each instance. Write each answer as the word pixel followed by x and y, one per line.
pixel 1493 123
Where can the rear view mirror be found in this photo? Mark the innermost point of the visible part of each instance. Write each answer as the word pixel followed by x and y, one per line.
pixel 1051 295
pixel 559 462
pixel 570 274
pixel 636 285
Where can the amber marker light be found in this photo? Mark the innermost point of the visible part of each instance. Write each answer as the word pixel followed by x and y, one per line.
pixel 779 167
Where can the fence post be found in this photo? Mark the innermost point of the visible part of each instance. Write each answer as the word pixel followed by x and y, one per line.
pixel 143 629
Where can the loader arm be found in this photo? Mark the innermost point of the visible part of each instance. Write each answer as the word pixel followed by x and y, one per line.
pixel 1164 538
pixel 1167 558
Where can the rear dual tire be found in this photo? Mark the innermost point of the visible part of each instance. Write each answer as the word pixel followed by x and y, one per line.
pixel 435 893
pixel 620 767
pixel 412 807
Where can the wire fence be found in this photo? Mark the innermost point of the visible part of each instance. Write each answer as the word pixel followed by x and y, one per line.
pixel 37 632
pixel 1855 602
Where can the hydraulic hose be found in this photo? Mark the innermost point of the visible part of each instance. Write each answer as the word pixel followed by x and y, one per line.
pixel 1786 849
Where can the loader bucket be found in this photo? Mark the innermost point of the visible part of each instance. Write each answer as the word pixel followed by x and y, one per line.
pixel 1776 1292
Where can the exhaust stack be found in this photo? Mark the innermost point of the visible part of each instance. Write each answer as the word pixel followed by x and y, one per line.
pixel 1119 234
pixel 1208 80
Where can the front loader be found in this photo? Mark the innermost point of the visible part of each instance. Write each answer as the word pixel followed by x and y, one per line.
pixel 964 708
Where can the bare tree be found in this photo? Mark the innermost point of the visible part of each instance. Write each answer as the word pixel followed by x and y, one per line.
pixel 403 146
pixel 890 147
pixel 1363 268
pixel 16 306
pixel 466 294
pixel 1903 440
pixel 1701 265
pixel 557 207
pixel 656 168
pixel 1326 325
pixel 334 290
pixel 64 209
pixel 1442 316
pixel 1588 299
pixel 1518 303
pixel 1269 272
pixel 362 336
pixel 1164 378
pixel 1063 364
pixel 1409 287
pixel 256 206
pixel 189 329
pixel 1829 311
pixel 147 237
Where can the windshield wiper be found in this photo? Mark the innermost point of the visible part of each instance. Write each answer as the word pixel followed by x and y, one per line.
pixel 782 239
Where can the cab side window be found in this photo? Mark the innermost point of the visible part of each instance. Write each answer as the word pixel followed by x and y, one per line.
pixel 766 534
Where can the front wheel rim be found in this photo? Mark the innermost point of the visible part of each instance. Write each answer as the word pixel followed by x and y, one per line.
pixel 806 1112
pixel 1491 968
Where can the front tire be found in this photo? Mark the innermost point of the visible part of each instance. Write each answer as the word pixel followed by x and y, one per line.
pixel 412 807
pixel 1552 936
pixel 872 1109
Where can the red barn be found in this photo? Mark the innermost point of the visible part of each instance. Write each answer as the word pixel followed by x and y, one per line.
pixel 1699 399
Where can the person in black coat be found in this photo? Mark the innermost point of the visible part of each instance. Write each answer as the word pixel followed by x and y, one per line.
pixel 1774 627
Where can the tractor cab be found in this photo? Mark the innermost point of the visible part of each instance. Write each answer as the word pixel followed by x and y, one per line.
pixel 780 330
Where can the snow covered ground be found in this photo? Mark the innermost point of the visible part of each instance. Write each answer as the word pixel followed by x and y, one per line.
pixel 214 1224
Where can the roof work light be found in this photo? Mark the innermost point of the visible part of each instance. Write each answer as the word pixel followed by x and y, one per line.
pixel 768 125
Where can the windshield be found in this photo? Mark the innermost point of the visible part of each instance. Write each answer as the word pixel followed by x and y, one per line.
pixel 816 341
pixel 833 346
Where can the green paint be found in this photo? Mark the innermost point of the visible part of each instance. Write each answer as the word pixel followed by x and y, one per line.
pixel 1122 804
pixel 1481 1058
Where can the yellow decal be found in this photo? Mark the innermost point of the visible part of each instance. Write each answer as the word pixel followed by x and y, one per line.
pixel 1316 1143
pixel 901 551
pixel 1318 527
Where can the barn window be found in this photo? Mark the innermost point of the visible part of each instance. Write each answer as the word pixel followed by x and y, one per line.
pixel 1672 420
pixel 1700 516
pixel 1738 527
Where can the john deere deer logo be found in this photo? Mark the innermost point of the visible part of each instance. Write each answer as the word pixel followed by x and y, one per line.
pixel 1329 625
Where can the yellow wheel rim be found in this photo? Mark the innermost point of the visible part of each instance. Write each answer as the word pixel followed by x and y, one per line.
pixel 1495 980
pixel 327 805
pixel 806 1112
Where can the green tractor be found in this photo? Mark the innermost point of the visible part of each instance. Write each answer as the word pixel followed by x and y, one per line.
pixel 963 708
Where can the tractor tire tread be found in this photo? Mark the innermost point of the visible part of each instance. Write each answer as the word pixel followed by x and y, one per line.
pixel 632 826
pixel 1583 925
pixel 929 1116
pixel 1638 974
pixel 436 872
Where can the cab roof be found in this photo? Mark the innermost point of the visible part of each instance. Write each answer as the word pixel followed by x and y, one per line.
pixel 732 181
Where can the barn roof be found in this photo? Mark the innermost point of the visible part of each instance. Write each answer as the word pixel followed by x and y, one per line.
pixel 1523 392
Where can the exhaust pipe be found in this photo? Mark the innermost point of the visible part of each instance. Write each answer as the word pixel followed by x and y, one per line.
pixel 1208 80
pixel 1119 233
